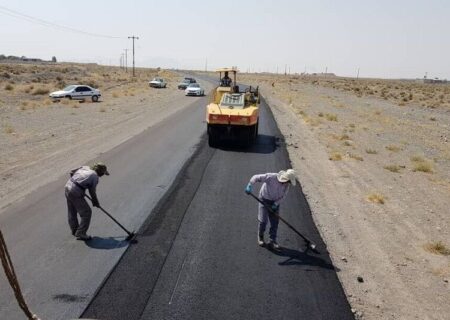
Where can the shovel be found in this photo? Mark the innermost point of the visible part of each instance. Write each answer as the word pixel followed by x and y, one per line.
pixel 309 243
pixel 131 235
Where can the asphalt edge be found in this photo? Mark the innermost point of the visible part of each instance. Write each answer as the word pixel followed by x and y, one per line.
pixel 162 202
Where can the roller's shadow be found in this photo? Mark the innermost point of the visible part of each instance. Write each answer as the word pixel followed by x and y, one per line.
pixel 299 258
pixel 106 243
pixel 264 144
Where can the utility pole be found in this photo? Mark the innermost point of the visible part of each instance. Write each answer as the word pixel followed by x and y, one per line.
pixel 126 60
pixel 357 75
pixel 134 38
pixel 206 64
pixel 285 69
pixel 121 61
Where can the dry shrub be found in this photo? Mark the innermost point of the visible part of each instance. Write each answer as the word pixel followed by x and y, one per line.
pixel 311 121
pixel 356 157
pixel 424 166
pixel 28 89
pixel 40 91
pixel 417 159
pixel 347 143
pixel 331 117
pixel 371 151
pixel 437 248
pixel 392 168
pixel 393 148
pixel 9 87
pixel 8 128
pixel 376 197
pixel 335 156
pixel 115 95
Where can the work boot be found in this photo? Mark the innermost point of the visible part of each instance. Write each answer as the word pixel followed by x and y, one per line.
pixel 274 245
pixel 83 237
pixel 261 240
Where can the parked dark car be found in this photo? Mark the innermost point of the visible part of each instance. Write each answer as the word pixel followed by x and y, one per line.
pixel 186 82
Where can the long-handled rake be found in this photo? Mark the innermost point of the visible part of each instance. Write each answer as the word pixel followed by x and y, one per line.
pixel 131 235
pixel 309 243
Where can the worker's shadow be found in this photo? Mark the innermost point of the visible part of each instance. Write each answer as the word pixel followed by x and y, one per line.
pixel 295 257
pixel 106 243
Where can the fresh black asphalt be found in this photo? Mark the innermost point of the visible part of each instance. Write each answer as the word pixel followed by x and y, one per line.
pixel 197 256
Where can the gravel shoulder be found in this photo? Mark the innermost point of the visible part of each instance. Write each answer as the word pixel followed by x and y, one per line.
pixel 377 177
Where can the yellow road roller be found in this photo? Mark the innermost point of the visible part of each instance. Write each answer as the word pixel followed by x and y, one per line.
pixel 232 114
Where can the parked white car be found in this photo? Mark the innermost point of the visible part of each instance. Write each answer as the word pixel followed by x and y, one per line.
pixel 194 89
pixel 77 92
pixel 157 83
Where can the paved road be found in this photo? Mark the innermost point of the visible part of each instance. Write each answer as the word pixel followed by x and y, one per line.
pixel 197 256
pixel 60 275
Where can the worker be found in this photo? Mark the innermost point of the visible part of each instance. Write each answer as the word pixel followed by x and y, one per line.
pixel 82 178
pixel 226 80
pixel 274 189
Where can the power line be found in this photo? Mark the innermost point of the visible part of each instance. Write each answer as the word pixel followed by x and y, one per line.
pixel 18 15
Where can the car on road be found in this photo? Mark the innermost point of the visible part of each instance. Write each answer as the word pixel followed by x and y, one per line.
pixel 76 92
pixel 185 82
pixel 194 89
pixel 157 83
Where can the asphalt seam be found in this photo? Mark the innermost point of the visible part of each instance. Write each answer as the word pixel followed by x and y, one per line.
pixel 181 221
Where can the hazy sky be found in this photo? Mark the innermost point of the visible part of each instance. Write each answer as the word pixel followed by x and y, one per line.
pixel 390 39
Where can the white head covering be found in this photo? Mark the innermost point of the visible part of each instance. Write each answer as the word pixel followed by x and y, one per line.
pixel 285 176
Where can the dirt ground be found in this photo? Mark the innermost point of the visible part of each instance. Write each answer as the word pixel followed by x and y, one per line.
pixel 373 159
pixel 41 140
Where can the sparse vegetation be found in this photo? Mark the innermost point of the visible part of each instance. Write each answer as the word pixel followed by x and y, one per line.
pixel 8 128
pixel 371 151
pixel 423 166
pixel 393 148
pixel 335 156
pixel 9 87
pixel 40 91
pixel 356 157
pixel 392 168
pixel 347 143
pixel 437 248
pixel 376 197
pixel 331 117
pixel 417 159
